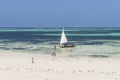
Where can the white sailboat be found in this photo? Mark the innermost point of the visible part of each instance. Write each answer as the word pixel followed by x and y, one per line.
pixel 64 42
pixel 63 38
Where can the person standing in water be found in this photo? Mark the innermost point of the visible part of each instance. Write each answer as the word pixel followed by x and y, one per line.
pixel 32 60
pixel 54 54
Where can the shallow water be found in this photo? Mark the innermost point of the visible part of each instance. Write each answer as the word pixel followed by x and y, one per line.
pixel 88 41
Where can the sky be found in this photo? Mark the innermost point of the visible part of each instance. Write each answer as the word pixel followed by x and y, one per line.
pixel 52 13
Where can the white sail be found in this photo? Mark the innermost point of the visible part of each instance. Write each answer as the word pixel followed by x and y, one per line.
pixel 63 38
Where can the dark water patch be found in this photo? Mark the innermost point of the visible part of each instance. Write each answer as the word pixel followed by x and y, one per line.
pixel 92 32
pixel 86 38
pixel 99 56
pixel 5 48
pixel 92 43
pixel 19 48
pixel 76 56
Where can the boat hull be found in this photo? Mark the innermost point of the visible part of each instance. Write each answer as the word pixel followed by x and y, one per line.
pixel 67 45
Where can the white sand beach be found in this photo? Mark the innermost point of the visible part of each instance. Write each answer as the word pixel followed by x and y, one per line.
pixel 17 66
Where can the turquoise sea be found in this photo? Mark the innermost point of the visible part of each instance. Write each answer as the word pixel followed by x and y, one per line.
pixel 41 40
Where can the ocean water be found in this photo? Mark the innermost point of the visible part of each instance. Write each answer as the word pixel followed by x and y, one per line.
pixel 41 40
